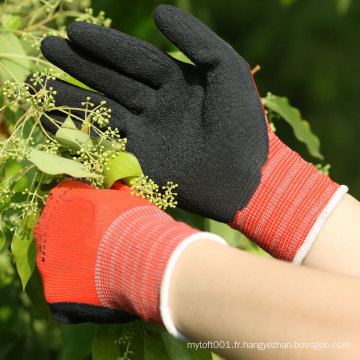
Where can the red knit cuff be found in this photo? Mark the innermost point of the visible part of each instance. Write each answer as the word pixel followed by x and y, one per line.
pixel 132 259
pixel 290 205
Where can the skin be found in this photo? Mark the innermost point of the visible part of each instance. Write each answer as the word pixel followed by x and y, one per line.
pixel 255 299
pixel 337 247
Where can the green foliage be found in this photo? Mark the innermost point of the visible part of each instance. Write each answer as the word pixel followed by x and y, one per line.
pixel 54 165
pixel 301 128
pixel 23 246
pixel 32 162
pixel 123 165
pixel 139 340
pixel 180 56
pixel 14 63
pixel 104 346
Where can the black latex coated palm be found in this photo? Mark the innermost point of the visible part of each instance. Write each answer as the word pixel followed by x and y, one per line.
pixel 201 126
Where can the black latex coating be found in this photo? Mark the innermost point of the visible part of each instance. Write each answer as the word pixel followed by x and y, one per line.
pixel 202 127
pixel 74 313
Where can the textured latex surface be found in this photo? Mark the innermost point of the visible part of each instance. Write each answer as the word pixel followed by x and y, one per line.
pixel 202 127
pixel 74 313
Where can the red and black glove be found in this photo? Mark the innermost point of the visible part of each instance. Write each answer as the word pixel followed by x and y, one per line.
pixel 108 256
pixel 202 126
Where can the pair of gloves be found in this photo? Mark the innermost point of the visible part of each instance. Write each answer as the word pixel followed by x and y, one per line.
pixel 106 255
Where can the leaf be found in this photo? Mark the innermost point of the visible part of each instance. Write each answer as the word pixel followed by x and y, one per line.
pixel 130 340
pixel 187 217
pixel 12 168
pixel 76 82
pixel 23 247
pixel 104 346
pixel 178 349
pixel 301 128
pixel 54 165
pixel 70 136
pixel 2 235
pixel 154 348
pixel 231 236
pixel 77 340
pixel 122 166
pixel 35 291
pixel 10 22
pixel 14 66
pixel 178 55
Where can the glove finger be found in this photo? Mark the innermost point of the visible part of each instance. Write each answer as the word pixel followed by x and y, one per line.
pixel 70 96
pixel 99 76
pixel 129 55
pixel 192 37
pixel 74 313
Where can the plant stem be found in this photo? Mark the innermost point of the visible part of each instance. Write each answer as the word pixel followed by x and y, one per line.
pixel 48 19
pixel 37 25
pixel 255 69
pixel 20 174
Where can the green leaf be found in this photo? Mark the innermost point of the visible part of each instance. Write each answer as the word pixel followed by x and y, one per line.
pixel 77 340
pixel 122 166
pixel 76 82
pixel 301 128
pixel 2 235
pixel 23 247
pixel 104 346
pixel 178 349
pixel 35 291
pixel 54 165
pixel 231 236
pixel 178 55
pixel 12 168
pixel 187 217
pixel 13 62
pixel 154 348
pixel 130 340
pixel 70 136
pixel 10 22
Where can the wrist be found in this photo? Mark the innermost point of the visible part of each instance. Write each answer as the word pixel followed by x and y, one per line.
pixel 290 205
pixel 175 283
pixel 136 261
pixel 192 283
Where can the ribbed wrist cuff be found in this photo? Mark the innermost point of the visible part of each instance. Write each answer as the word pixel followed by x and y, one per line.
pixel 290 206
pixel 136 259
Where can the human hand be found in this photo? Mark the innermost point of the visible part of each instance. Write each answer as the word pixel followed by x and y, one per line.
pixel 201 126
pixel 103 254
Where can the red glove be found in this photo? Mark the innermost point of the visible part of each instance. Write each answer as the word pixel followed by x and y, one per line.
pixel 105 254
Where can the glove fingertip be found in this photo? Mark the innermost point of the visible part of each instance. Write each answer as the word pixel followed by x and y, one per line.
pixel 162 13
pixel 48 44
pixel 77 27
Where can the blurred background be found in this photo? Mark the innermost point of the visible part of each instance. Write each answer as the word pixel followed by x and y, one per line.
pixel 309 51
